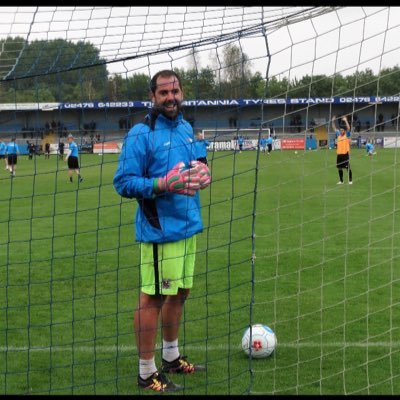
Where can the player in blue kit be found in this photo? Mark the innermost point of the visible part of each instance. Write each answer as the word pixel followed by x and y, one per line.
pixel 370 148
pixel 240 142
pixel 263 145
pixel 269 142
pixel 72 159
pixel 3 154
pixel 12 152
pixel 201 143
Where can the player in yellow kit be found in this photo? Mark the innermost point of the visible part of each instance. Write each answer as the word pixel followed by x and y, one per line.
pixel 343 149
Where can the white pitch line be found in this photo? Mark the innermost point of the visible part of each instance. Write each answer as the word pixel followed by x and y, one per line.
pixel 123 349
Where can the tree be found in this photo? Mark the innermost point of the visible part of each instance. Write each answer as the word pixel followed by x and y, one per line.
pixel 60 70
pixel 198 84
pixel 138 87
pixel 58 65
pixel 236 70
pixel 135 87
pixel 276 88
pixel 233 72
pixel 256 87
pixel 389 82
pixel 10 51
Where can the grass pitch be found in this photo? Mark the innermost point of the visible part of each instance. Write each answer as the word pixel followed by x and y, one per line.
pixel 322 272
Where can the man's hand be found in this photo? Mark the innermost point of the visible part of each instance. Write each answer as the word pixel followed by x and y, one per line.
pixel 178 180
pixel 203 171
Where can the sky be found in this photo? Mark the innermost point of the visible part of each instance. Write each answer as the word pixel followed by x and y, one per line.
pixel 284 41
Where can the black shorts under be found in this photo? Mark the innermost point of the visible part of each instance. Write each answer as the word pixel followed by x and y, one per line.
pixel 73 162
pixel 12 159
pixel 343 161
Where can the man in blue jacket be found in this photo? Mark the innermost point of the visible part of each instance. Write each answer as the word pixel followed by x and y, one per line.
pixel 158 167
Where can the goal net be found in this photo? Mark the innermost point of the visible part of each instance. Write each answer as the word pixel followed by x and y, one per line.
pixel 283 244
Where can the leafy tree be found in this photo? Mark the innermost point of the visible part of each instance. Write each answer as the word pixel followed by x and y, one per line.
pixel 237 70
pixel 59 65
pixel 116 86
pixel 206 84
pixel 389 81
pixel 138 87
pixel 320 86
pixel 299 87
pixel 198 84
pixel 340 86
pixel 10 50
pixel 59 70
pixel 233 72
pixel 256 87
pixel 277 88
pixel 135 87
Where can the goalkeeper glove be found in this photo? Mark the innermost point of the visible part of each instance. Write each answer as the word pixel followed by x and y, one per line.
pixel 178 180
pixel 203 171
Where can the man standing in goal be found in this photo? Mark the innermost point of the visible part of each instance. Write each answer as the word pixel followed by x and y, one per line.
pixel 343 150
pixel 158 166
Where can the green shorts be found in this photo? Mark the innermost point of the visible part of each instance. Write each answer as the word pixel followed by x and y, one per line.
pixel 166 267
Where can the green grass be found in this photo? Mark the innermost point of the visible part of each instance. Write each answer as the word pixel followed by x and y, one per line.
pixel 325 277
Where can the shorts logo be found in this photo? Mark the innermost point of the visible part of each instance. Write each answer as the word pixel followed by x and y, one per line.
pixel 166 284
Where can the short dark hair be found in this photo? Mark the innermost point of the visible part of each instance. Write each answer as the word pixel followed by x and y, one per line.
pixel 164 73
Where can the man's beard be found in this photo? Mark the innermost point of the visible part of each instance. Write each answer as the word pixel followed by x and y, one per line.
pixel 161 108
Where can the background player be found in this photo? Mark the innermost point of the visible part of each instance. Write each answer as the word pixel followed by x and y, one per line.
pixel 343 150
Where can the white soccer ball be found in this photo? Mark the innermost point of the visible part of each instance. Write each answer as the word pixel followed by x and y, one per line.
pixel 295 152
pixel 259 341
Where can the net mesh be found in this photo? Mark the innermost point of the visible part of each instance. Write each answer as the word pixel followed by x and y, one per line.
pixel 283 245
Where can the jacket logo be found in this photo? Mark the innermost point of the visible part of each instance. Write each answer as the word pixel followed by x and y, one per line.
pixel 166 284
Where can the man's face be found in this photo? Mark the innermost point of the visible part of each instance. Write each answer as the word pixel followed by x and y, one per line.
pixel 342 132
pixel 168 96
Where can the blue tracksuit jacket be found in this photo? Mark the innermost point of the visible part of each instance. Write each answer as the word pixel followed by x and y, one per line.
pixel 150 149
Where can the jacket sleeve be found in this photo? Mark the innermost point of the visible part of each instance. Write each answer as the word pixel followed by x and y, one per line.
pixel 130 178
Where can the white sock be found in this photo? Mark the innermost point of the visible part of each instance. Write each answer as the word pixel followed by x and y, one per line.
pixel 170 351
pixel 147 368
